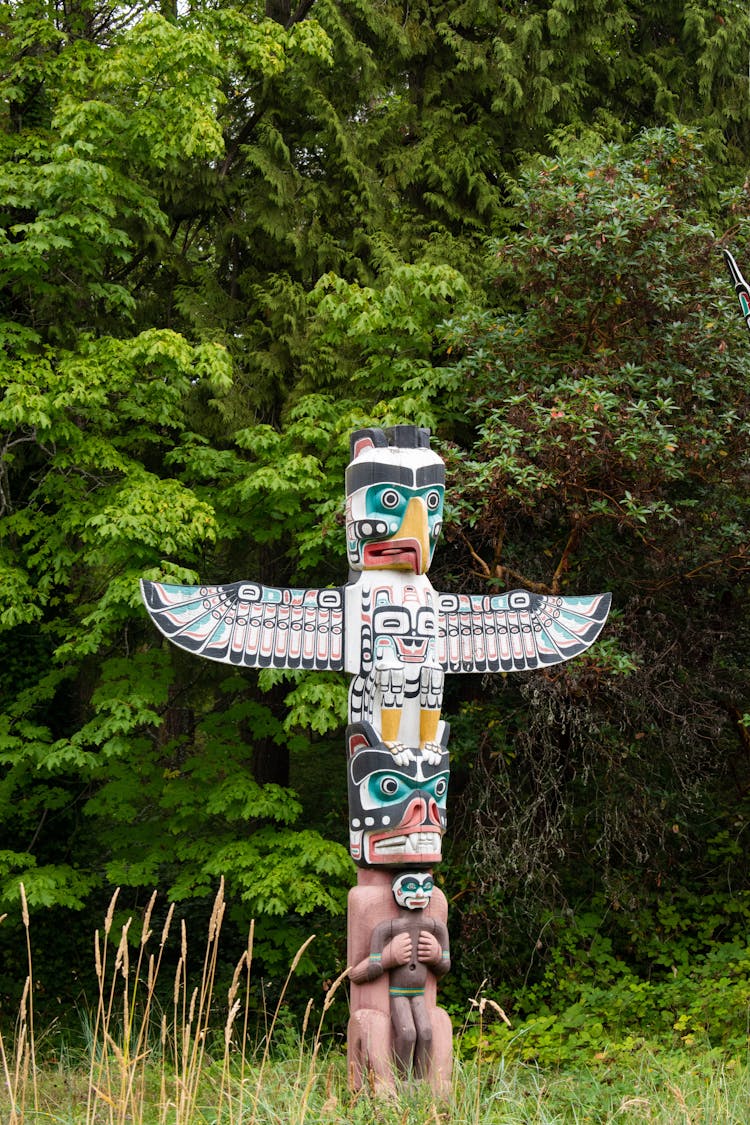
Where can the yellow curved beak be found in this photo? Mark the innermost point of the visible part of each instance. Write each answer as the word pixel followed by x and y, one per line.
pixel 415 526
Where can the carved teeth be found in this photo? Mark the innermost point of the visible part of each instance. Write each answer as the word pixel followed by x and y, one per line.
pixel 415 843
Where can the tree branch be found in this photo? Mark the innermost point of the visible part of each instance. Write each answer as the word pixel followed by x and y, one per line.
pixel 572 545
pixel 300 12
pixel 239 141
pixel 504 573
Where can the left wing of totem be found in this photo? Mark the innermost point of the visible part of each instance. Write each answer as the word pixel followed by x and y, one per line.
pixel 250 625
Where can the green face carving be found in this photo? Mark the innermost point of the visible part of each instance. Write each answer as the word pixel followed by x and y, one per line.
pixel 390 787
pixel 397 814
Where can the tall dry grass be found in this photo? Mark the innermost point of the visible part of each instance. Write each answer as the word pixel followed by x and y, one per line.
pixel 150 1064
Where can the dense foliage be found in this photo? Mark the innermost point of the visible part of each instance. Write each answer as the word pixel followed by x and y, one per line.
pixel 229 233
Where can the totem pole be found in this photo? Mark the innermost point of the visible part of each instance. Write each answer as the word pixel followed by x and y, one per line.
pixel 397 637
pixel 740 286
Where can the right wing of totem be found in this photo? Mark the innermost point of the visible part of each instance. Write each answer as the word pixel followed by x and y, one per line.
pixel 741 287
pixel 250 625
pixel 516 632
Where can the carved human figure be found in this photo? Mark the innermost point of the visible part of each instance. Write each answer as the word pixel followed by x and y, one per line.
pixel 389 1033
pixel 408 947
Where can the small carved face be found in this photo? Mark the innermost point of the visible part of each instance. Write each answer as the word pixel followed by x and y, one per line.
pixel 413 890
pixel 406 635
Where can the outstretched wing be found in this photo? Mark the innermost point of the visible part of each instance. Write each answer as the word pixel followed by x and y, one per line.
pixel 251 625
pixel 740 286
pixel 515 632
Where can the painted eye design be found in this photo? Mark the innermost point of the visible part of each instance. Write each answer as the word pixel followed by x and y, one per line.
pixel 441 786
pixel 427 885
pixel 390 498
pixel 432 500
pixel 389 786
pixel 410 886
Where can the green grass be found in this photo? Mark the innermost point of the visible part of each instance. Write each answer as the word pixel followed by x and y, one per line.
pixel 193 1062
pixel 670 1090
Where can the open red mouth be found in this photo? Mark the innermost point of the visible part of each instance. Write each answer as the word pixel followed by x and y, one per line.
pixel 395 554
pixel 417 839
pixel 411 651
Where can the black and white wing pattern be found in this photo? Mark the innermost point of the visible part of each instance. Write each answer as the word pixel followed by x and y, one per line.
pixel 250 625
pixel 741 287
pixel 515 632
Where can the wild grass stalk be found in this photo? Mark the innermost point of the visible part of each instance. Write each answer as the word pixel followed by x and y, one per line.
pixel 311 1074
pixel 245 1019
pixel 16 1073
pixel 194 1042
pixel 30 990
pixel 102 1058
pixel 4 1064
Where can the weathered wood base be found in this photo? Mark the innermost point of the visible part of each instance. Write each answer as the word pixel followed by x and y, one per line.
pixel 371 1056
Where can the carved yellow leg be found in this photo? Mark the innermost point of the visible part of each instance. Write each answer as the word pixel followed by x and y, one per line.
pixel 390 721
pixel 428 726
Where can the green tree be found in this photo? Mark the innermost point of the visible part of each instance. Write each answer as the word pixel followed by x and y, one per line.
pixel 608 393
pixel 118 765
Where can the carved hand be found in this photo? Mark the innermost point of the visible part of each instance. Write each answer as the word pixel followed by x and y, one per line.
pixel 402 755
pixel 428 949
pixel 361 972
pixel 397 952
pixel 433 753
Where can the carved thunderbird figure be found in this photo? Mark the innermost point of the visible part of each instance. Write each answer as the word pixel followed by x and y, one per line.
pixel 387 626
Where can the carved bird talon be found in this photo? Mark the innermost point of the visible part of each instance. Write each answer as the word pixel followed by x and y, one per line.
pixel 433 753
pixel 402 755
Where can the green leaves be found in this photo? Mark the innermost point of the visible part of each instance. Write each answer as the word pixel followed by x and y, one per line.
pixel 592 393
pixel 74 486
pixel 391 334
pixel 156 96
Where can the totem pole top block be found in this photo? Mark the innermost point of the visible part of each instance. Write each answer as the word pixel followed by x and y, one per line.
pixel 395 485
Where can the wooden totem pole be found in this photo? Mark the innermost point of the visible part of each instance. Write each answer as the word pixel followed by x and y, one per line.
pixel 397 637
pixel 740 286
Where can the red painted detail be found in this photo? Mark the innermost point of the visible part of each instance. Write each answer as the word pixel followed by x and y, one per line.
pixel 394 554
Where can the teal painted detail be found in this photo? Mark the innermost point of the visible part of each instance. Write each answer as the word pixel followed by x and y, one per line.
pixel 386 787
pixel 389 502
pixel 410 884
